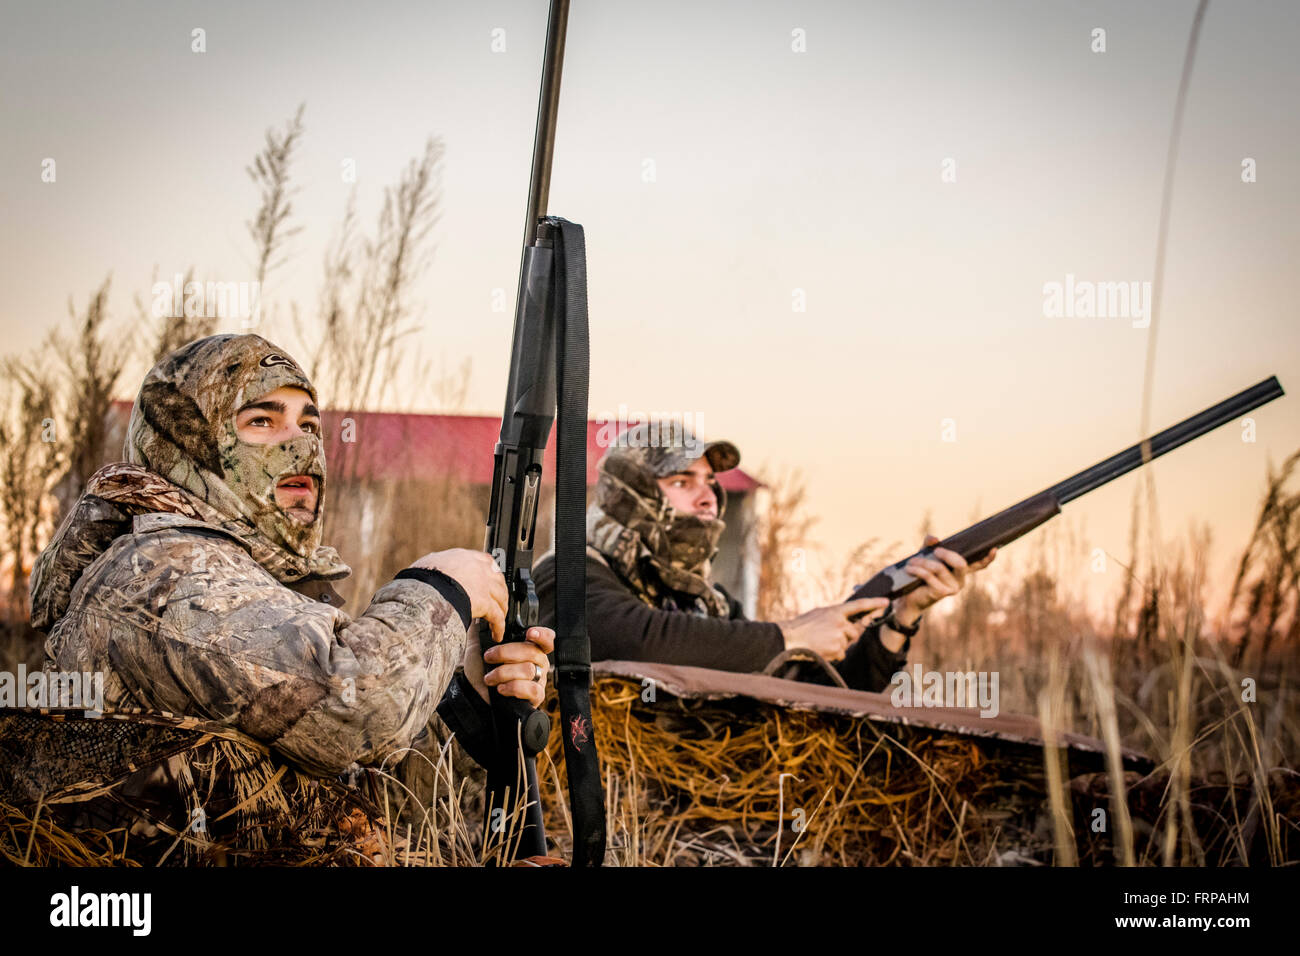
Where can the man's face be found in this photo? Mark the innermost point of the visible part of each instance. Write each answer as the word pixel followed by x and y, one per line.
pixel 690 491
pixel 279 416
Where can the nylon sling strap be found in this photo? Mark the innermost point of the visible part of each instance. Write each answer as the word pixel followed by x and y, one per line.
pixel 572 646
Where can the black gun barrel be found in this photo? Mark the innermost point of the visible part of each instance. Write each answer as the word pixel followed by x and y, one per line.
pixel 1166 441
pixel 548 108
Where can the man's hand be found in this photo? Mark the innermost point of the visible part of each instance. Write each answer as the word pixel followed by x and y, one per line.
pixel 943 578
pixel 478 574
pixel 518 664
pixel 828 630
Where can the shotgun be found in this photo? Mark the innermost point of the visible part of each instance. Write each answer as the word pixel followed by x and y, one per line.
pixel 548 368
pixel 1006 526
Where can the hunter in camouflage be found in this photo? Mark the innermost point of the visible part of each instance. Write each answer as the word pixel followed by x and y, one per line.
pixel 652 535
pixel 193 576
pixel 653 547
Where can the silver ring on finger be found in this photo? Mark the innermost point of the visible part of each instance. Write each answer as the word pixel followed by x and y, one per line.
pixel 538 674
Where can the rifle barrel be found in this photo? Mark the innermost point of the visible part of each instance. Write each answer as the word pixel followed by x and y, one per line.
pixel 1167 440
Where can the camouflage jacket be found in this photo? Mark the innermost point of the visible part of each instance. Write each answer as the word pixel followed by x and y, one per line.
pixel 182 587
pixel 180 618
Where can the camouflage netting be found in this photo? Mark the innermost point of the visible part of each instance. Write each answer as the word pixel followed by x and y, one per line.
pixel 136 789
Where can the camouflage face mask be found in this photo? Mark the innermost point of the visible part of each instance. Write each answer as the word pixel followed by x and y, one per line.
pixel 183 428
pixel 693 541
pixel 252 472
pixel 635 500
pixel 631 523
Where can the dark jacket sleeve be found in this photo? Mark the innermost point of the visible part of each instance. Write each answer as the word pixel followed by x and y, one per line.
pixel 624 628
pixel 469 717
pixel 868 664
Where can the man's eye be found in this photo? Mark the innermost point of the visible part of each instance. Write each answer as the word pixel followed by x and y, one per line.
pixel 313 427
pixel 259 418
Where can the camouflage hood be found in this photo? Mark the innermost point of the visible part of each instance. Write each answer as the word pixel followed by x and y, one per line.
pixel 183 456
pixel 652 547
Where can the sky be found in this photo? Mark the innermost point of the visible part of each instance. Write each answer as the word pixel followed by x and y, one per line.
pixel 823 230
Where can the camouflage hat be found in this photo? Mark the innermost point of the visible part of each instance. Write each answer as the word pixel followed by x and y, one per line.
pixel 666 448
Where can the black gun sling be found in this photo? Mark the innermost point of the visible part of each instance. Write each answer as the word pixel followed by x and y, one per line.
pixel 572 645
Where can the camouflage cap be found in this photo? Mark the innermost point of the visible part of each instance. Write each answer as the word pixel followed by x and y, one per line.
pixel 666 448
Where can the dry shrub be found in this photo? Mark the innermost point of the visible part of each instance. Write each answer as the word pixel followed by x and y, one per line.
pixel 29 464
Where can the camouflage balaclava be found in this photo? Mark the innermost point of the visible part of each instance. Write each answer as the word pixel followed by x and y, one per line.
pixel 646 540
pixel 183 428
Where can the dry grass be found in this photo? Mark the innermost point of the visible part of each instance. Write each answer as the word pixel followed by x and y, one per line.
pixel 708 783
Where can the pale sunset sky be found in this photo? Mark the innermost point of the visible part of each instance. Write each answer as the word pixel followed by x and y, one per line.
pixel 774 170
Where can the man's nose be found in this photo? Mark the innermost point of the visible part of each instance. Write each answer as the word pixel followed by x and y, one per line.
pixel 706 499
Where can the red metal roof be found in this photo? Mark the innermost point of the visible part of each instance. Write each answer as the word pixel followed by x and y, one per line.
pixel 397 444
pixel 389 444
